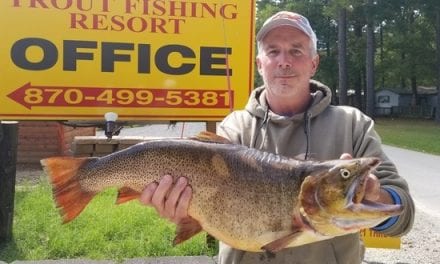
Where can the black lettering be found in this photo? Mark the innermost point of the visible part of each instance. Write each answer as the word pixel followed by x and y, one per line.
pixel 162 63
pixel 207 60
pixel 144 56
pixel 109 57
pixel 71 54
pixel 18 54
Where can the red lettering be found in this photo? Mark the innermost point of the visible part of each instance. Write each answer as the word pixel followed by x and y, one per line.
pixel 158 23
pixel 131 24
pixel 232 14
pixel 159 6
pixel 117 23
pixel 68 4
pixel 174 8
pixel 82 8
pixel 77 19
pixel 129 6
pixel 210 10
pixel 40 2
pixel 105 6
pixel 82 5
pixel 176 24
pixel 98 21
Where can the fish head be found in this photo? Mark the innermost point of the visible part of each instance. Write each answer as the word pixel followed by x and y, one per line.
pixel 343 182
pixel 333 198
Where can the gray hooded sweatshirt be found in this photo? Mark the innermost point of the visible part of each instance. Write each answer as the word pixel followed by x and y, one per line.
pixel 321 132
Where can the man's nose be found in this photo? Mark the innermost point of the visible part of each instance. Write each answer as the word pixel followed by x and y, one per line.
pixel 284 61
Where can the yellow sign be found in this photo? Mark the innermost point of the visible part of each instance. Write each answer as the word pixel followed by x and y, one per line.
pixel 374 239
pixel 143 59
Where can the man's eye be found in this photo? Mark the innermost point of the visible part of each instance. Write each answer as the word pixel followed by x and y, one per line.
pixel 272 52
pixel 297 52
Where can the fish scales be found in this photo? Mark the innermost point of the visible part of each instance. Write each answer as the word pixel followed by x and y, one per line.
pixel 230 183
pixel 249 199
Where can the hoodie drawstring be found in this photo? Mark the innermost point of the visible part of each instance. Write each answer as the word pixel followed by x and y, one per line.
pixel 264 125
pixel 307 117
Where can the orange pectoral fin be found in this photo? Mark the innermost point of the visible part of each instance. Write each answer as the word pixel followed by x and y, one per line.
pixel 186 229
pixel 126 194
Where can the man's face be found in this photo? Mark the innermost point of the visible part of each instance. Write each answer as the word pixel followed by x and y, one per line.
pixel 285 61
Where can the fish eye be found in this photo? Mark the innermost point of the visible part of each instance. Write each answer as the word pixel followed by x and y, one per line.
pixel 345 173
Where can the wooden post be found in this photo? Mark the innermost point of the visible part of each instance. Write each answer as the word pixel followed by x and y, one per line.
pixel 8 159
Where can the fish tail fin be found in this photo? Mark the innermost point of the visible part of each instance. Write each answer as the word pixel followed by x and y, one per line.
pixel 66 188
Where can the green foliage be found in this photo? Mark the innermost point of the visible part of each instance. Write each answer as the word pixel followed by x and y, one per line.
pixel 103 231
pixel 405 43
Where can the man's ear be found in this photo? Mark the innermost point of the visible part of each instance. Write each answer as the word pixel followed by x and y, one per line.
pixel 315 64
pixel 257 60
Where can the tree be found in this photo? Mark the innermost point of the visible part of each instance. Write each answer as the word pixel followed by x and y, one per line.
pixel 437 42
pixel 370 60
pixel 342 55
pixel 406 33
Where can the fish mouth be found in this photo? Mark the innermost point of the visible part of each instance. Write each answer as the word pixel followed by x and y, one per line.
pixel 358 188
pixel 356 201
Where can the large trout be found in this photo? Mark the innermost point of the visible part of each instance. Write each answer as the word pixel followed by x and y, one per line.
pixel 249 199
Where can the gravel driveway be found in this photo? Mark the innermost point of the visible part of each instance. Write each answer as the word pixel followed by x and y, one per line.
pixel 420 246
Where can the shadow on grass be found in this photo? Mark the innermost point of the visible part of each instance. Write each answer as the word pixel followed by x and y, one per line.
pixel 9 250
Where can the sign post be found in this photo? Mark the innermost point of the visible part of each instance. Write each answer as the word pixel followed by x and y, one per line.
pixel 8 159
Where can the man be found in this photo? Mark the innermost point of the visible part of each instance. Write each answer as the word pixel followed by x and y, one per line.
pixel 291 115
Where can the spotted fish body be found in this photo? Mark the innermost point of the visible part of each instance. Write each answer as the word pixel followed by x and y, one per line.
pixel 249 199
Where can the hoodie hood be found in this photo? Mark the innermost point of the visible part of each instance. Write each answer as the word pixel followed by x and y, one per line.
pixel 258 107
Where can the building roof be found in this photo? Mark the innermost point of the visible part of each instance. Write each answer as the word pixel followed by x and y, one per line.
pixel 422 90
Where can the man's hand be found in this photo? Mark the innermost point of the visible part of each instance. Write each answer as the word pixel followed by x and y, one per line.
pixel 373 191
pixel 171 200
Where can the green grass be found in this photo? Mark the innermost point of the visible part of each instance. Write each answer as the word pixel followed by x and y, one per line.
pixel 102 231
pixel 414 134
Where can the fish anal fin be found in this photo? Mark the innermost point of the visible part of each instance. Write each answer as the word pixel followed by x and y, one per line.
pixel 206 136
pixel 126 194
pixel 282 242
pixel 70 198
pixel 72 203
pixel 186 229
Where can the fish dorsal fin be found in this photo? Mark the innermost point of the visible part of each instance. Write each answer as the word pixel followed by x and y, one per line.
pixel 206 136
pixel 303 156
